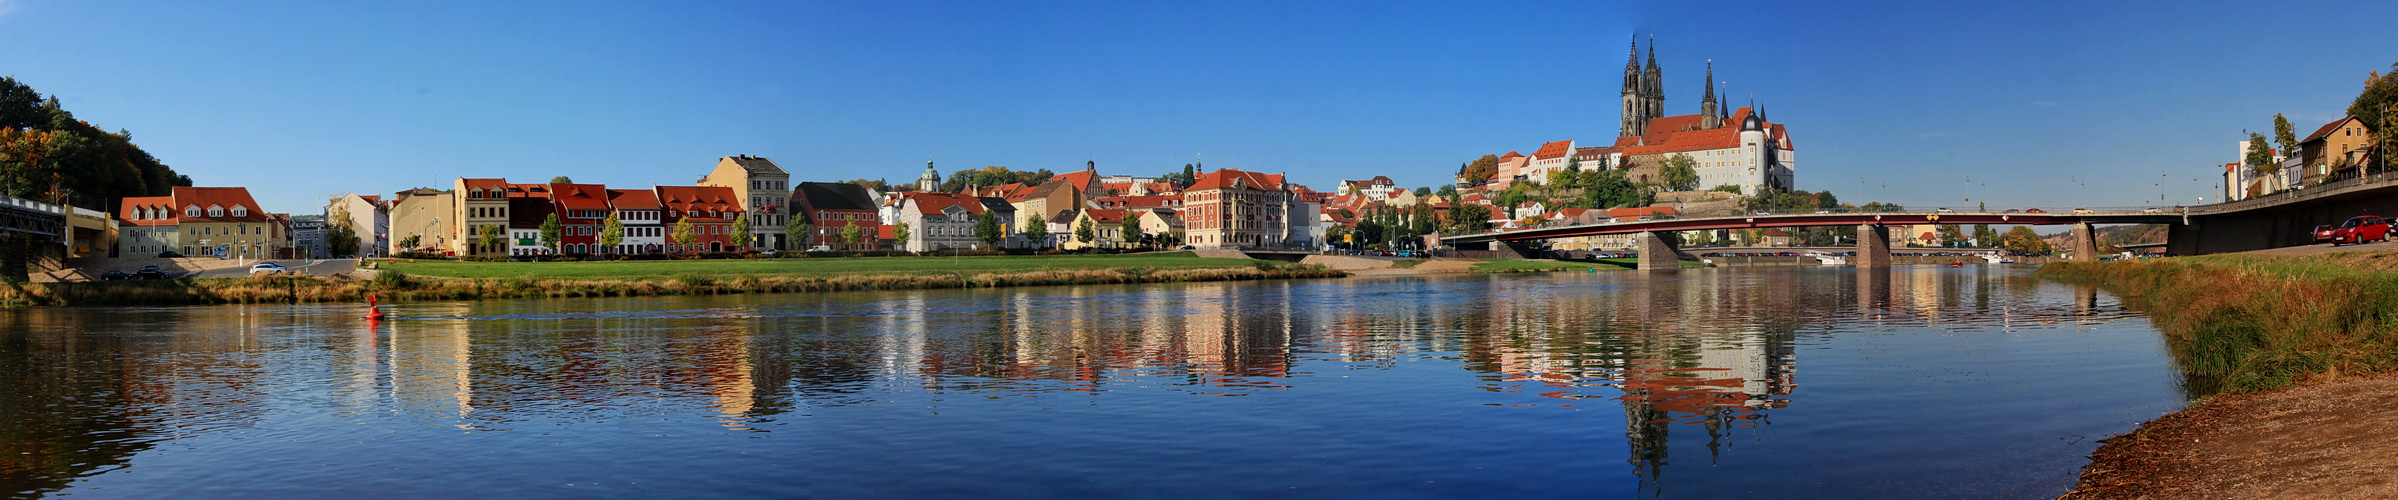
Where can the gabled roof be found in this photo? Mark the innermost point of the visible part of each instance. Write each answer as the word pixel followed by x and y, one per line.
pixel 225 197
pixel 1511 154
pixel 833 196
pixel 1226 178
pixel 1080 179
pixel 1107 215
pixel 580 196
pixel 700 199
pixel 755 164
pixel 528 190
pixel 1553 150
pixel 995 203
pixel 2321 133
pixel 165 204
pixel 1622 213
pixel 487 184
pixel 1051 187
pixel 633 199
pixel 933 203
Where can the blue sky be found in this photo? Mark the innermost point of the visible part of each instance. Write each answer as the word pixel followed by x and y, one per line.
pixel 2037 103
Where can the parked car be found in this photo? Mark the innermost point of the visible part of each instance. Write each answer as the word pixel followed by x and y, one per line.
pixel 268 267
pixel 115 275
pixel 2323 233
pixel 2034 211
pixel 149 273
pixel 2360 229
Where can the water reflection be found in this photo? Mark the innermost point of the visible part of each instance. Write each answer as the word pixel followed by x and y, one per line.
pixel 1707 354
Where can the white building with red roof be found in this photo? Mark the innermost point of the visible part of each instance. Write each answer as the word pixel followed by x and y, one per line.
pixel 940 221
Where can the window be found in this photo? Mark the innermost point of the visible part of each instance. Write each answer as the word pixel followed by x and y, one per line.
pixel 240 211
pixel 216 211
pixel 191 211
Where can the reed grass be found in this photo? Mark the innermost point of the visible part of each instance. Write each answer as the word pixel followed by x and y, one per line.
pixel 2250 322
pixel 396 287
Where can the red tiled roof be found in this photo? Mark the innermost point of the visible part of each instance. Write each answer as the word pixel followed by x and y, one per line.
pixel 489 184
pixel 1511 154
pixel 1152 201
pixel 1107 215
pixel 580 196
pixel 163 207
pixel 1249 180
pixel 224 197
pixel 1080 179
pixel 933 203
pixel 1621 213
pixel 700 200
pixel 2327 128
pixel 1553 150
pixel 633 199
pixel 528 190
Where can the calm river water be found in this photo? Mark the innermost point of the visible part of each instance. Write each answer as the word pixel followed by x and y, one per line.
pixel 1758 382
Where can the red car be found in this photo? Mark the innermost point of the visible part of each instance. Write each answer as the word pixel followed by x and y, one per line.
pixel 2360 229
pixel 2323 233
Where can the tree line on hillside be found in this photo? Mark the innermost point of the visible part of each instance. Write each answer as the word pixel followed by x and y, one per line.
pixel 48 155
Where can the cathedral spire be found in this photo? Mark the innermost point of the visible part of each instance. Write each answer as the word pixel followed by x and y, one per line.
pixel 1709 116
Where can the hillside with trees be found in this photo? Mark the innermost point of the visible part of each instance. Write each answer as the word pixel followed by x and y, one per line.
pixel 48 155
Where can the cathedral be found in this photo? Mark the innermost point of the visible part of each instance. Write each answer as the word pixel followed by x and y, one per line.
pixel 1756 155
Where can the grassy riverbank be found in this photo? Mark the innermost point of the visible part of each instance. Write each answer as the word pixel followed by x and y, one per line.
pixel 492 280
pixel 2251 322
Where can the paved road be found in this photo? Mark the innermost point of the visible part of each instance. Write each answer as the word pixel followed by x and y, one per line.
pixel 313 267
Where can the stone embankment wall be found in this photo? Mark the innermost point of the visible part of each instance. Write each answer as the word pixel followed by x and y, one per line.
pixel 90 269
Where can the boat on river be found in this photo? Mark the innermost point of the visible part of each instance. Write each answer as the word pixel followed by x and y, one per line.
pixel 1829 259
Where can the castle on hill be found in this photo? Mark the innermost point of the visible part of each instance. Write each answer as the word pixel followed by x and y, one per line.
pixel 1729 147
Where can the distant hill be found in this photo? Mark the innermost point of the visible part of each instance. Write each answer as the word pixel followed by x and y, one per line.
pixel 51 156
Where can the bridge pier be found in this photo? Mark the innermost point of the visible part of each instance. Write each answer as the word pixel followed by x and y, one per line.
pixel 1873 246
pixel 1659 251
pixel 2085 242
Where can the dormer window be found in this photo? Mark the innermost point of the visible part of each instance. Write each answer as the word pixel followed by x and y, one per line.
pixel 216 211
pixel 240 211
pixel 191 211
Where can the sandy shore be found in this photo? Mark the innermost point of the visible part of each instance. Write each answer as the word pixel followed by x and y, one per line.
pixel 2325 440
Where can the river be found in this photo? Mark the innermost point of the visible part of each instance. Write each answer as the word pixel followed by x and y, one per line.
pixel 1760 382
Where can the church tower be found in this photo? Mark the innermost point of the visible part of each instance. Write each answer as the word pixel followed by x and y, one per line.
pixel 1709 116
pixel 931 181
pixel 1636 104
pixel 1654 79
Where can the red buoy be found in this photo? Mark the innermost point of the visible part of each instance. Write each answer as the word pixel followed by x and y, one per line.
pixel 373 312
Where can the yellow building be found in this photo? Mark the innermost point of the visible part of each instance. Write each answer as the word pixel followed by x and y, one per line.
pixel 223 222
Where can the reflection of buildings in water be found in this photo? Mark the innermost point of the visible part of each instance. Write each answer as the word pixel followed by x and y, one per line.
pixel 432 364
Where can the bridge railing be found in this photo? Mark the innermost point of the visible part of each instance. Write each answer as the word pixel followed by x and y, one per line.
pixel 25 204
pixel 2286 195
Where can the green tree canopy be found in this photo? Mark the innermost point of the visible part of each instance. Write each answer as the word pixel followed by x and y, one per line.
pixel 900 234
pixel 986 228
pixel 1680 173
pixel 2022 240
pixel 1085 231
pixel 562 180
pixel 1036 229
pixel 740 232
pixel 611 232
pixel 549 233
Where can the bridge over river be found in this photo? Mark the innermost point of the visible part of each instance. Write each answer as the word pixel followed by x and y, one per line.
pixel 2278 220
